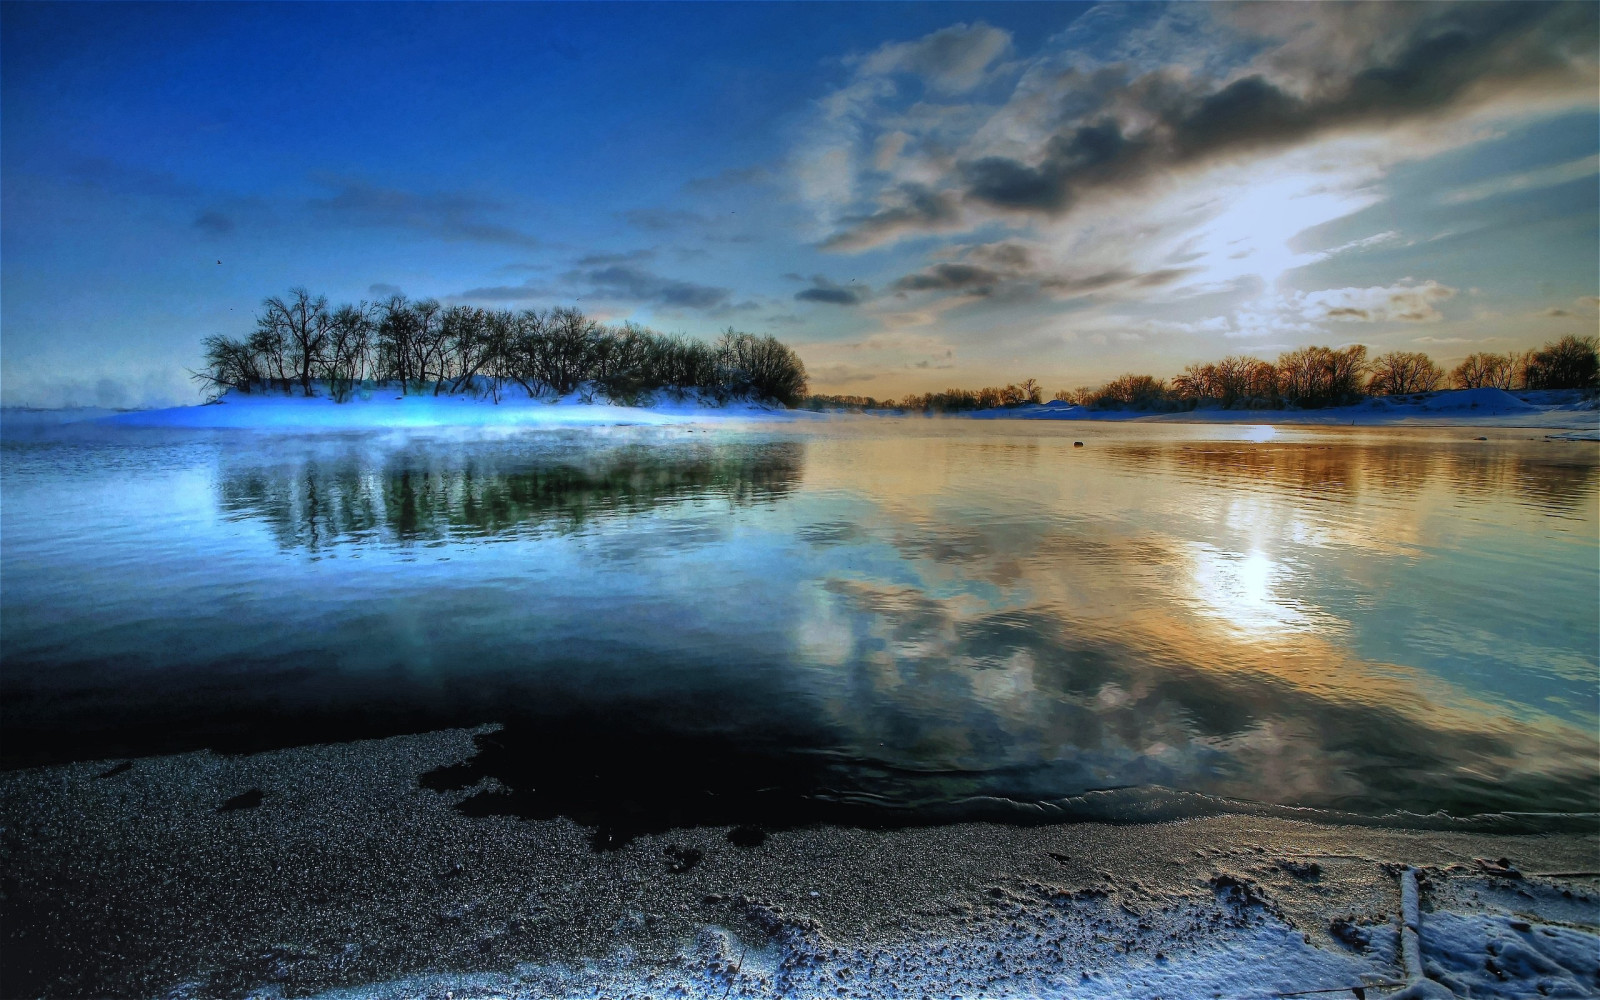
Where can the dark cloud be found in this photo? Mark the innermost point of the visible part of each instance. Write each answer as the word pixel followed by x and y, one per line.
pixel 213 222
pixel 913 207
pixel 823 290
pixel 382 290
pixel 632 284
pixel 1165 276
pixel 1427 60
pixel 603 259
pixel 968 279
pixel 1015 276
pixel 505 293
pixel 454 217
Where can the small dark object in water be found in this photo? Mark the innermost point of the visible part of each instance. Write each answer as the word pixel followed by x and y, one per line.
pixel 122 768
pixel 244 800
pixel 747 836
pixel 682 858
pixel 1077 444
pixel 1520 925
pixel 1480 439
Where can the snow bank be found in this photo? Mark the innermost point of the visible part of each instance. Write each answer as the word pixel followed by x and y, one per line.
pixel 389 408
pixel 1486 407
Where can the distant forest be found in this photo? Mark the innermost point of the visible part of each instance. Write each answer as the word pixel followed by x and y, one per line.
pixel 1308 378
pixel 301 343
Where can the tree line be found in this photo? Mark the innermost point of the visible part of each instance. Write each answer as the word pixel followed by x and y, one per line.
pixel 1307 378
pixel 1313 377
pixel 301 343
pixel 949 401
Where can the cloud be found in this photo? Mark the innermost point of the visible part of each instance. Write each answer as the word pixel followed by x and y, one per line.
pixel 213 222
pixel 453 217
pixel 525 292
pixel 632 284
pixel 952 60
pixel 839 374
pixel 968 279
pixel 909 208
pixel 1073 130
pixel 602 259
pixel 1528 180
pixel 1406 302
pixel 831 293
pixel 382 290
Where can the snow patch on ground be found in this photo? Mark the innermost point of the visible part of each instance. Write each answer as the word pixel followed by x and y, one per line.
pixel 1038 943
pixel 380 407
pixel 1497 955
pixel 1556 409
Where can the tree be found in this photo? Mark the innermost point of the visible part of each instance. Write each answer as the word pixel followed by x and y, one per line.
pixel 1487 371
pixel 1321 376
pixel 1569 363
pixel 1399 373
pixel 349 347
pixel 300 325
pixel 397 331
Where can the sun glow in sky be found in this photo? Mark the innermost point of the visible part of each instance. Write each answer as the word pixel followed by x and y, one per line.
pixel 914 195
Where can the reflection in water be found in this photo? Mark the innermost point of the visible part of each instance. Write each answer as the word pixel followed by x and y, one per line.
pixel 877 622
pixel 1554 478
pixel 420 496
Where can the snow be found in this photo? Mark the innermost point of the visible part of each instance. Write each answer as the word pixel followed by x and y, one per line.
pixel 387 407
pixel 1573 411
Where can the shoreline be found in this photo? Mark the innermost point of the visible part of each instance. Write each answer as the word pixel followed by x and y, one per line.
pixel 1572 414
pixel 345 878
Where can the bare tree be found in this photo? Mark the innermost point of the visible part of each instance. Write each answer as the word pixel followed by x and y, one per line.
pixel 1402 372
pixel 299 323
pixel 1486 370
pixel 1568 363
pixel 350 331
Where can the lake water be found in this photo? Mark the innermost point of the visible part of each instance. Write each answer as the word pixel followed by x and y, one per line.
pixel 861 620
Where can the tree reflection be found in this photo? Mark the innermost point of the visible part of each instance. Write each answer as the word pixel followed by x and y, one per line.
pixel 422 497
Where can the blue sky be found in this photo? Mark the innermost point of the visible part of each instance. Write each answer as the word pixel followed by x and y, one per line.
pixel 914 195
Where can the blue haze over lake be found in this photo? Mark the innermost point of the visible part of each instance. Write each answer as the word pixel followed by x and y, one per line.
pixel 863 620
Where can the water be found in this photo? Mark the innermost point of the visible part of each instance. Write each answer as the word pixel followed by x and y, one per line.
pixel 868 620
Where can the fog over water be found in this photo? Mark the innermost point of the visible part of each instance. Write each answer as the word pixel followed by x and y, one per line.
pixel 864 620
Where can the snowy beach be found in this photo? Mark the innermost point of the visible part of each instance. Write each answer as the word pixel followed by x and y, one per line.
pixel 330 871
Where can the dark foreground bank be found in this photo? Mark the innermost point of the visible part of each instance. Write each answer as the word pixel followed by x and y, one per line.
pixel 336 869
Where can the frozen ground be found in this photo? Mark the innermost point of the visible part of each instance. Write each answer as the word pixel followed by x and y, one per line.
pixel 328 871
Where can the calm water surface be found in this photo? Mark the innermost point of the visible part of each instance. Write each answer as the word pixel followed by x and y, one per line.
pixel 866 620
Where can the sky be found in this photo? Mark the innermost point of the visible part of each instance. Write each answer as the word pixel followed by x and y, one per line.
pixel 914 196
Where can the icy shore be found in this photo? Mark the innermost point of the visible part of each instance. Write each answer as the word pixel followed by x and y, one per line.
pixel 328 870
